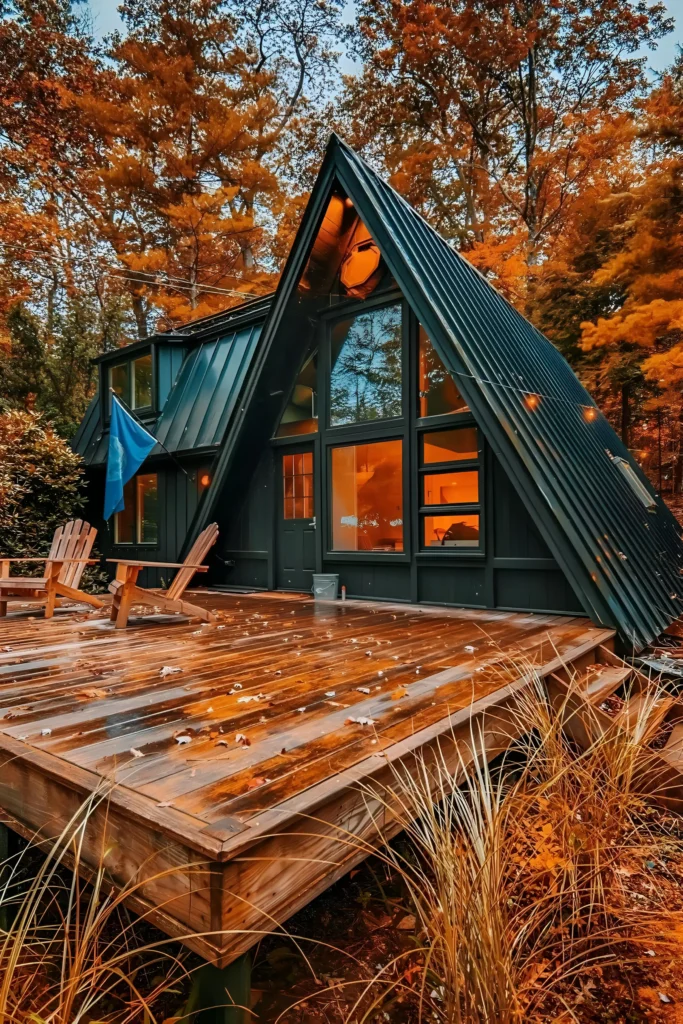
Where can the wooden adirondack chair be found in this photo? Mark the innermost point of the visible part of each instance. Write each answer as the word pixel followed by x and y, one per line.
pixel 126 591
pixel 68 557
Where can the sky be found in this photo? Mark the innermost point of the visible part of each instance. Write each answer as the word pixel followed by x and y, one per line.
pixel 106 19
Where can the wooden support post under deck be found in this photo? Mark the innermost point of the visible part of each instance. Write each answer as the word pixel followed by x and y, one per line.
pixel 4 871
pixel 220 995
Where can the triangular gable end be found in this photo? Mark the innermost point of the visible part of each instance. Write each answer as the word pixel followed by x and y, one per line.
pixel 560 454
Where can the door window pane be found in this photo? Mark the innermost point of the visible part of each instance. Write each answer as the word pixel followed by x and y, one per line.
pixel 450 445
pixel 142 382
pixel 365 379
pixel 124 522
pixel 438 393
pixel 147 507
pixel 367 497
pixel 301 413
pixel 297 486
pixel 451 488
pixel 451 530
pixel 119 379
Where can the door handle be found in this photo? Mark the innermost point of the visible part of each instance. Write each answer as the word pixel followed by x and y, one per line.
pixel 313 522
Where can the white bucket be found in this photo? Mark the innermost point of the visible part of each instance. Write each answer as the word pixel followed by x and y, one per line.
pixel 325 586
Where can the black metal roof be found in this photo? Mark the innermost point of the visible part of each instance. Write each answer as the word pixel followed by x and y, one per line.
pixel 203 396
pixel 621 559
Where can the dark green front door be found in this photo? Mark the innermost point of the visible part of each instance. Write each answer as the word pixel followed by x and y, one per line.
pixel 296 520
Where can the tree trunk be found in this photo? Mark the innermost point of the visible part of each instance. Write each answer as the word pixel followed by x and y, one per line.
pixel 625 413
pixel 140 314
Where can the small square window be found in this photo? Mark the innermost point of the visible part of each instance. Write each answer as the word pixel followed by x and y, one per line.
pixel 454 445
pixel 451 530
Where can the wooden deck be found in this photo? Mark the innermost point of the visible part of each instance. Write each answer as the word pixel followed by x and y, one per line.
pixel 227 755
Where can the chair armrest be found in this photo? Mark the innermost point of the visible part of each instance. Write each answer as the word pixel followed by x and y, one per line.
pixel 158 565
pixel 62 561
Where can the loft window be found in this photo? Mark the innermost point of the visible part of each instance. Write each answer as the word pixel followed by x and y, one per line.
pixel 301 412
pixel 367 497
pixel 450 494
pixel 132 381
pixel 366 373
pixel 637 486
pixel 438 393
pixel 139 521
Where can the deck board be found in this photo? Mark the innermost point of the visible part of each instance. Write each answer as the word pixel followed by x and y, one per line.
pixel 78 699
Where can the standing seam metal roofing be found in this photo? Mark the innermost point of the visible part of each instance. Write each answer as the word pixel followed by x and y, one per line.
pixel 202 399
pixel 632 556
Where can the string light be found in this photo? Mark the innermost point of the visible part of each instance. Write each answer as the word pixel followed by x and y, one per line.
pixel 590 413
pixel 532 401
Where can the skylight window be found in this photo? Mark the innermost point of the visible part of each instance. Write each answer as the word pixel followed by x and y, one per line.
pixel 637 486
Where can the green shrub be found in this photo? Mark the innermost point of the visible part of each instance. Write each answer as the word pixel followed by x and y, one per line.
pixel 41 484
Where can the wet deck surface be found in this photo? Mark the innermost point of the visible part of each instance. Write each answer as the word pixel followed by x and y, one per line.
pixel 232 718
pixel 218 740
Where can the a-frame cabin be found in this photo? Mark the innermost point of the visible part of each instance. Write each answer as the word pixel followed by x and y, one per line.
pixel 388 416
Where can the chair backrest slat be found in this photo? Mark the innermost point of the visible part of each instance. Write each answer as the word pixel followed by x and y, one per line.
pixel 73 540
pixel 198 552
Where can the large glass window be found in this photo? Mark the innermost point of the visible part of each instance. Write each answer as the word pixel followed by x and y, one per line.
pixel 139 521
pixel 365 377
pixel 301 412
pixel 367 497
pixel 297 485
pixel 437 391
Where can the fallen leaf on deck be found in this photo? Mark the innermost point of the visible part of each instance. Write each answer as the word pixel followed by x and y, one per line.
pixel 255 783
pixel 400 692
pixel 46 732
pixel 183 739
pixel 363 689
pixel 94 692
pixel 169 670
pixel 169 803
pixel 135 752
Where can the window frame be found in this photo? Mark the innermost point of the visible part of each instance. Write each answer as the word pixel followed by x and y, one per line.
pixel 456 421
pixel 137 521
pixel 129 398
pixel 367 431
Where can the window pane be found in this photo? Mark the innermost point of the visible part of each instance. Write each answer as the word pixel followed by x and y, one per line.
pixel 451 531
pixel 450 445
pixel 301 413
pixel 148 508
pixel 124 522
pixel 118 380
pixel 365 382
pixel 297 486
pixel 367 497
pixel 142 382
pixel 451 488
pixel 438 393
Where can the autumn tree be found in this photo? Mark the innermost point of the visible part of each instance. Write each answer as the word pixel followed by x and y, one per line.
pixel 192 121
pixel 640 330
pixel 492 115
